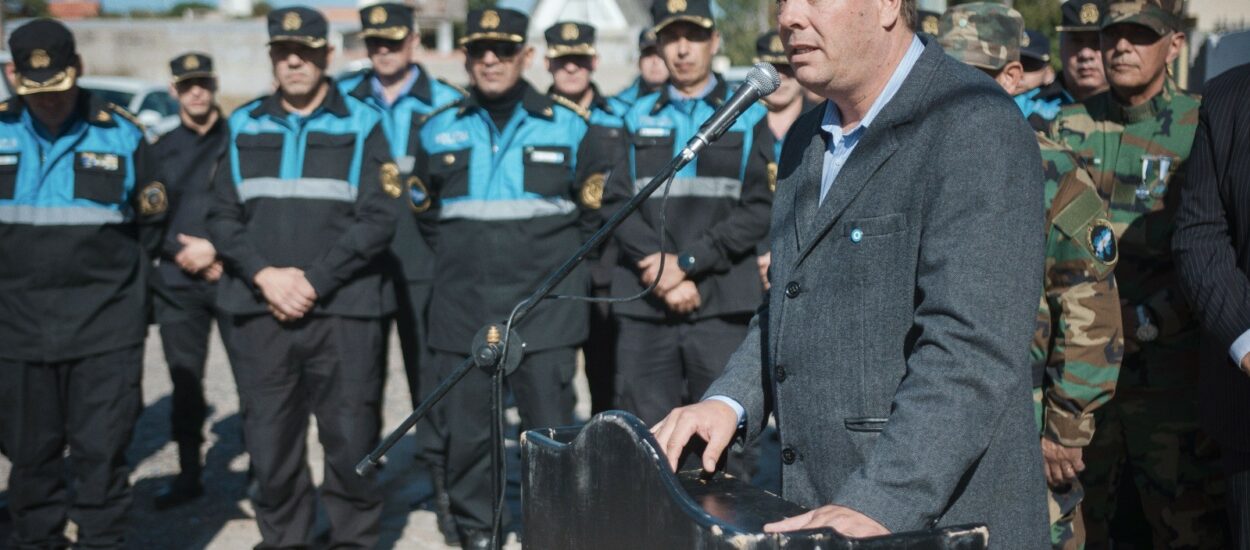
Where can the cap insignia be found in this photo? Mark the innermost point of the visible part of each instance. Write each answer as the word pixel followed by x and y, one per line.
pixel 39 59
pixel 292 21
pixel 569 31
pixel 190 63
pixel 377 15
pixel 1089 14
pixel 676 6
pixel 490 19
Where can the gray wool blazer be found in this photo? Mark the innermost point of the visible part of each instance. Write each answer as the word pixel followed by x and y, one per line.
pixel 893 349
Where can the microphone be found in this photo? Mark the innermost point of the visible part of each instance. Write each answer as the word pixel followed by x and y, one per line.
pixel 760 81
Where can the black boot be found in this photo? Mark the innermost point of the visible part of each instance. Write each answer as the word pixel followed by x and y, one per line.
pixel 187 486
pixel 442 505
pixel 475 539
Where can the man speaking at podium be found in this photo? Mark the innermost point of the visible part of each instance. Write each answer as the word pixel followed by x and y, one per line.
pixel 907 259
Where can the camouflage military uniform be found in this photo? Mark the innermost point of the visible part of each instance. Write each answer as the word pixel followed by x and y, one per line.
pixel 1136 155
pixel 1077 344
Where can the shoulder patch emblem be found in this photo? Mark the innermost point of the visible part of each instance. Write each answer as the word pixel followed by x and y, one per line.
pixel 772 177
pixel 389 174
pixel 418 195
pixel 152 199
pixel 592 191
pixel 1102 242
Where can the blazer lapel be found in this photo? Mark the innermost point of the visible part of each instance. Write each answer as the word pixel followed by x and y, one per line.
pixel 807 195
pixel 878 144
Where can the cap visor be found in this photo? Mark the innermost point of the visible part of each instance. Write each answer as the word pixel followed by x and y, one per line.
pixel 554 52
pixel 700 21
pixel 57 82
pixel 773 59
pixel 193 75
pixel 305 40
pixel 500 36
pixel 389 33
pixel 1141 19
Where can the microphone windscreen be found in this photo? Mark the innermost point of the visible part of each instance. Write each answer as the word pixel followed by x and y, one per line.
pixel 764 77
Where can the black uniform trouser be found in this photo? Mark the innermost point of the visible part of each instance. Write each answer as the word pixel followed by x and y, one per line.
pixel 543 388
pixel 332 368
pixel 89 405
pixel 600 352
pixel 662 365
pixel 186 315
pixel 412 325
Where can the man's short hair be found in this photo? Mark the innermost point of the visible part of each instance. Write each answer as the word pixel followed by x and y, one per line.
pixel 907 12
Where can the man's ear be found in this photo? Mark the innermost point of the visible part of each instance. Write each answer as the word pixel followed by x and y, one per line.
pixel 1009 77
pixel 10 74
pixel 715 42
pixel 527 56
pixel 1174 48
pixel 889 12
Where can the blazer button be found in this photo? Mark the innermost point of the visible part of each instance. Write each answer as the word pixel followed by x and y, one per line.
pixel 788 455
pixel 781 374
pixel 793 289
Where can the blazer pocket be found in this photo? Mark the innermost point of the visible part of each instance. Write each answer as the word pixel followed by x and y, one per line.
pixel 722 158
pixel 870 424
pixel 879 226
pixel 329 155
pixel 260 155
pixel 9 163
pixel 449 173
pixel 99 177
pixel 653 148
pixel 548 170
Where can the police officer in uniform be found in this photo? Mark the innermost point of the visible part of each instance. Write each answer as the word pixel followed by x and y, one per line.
pixel 571 60
pixel 506 187
pixel 80 213
pixel 186 289
pixel 306 201
pixel 707 282
pixel 404 92
pixel 652 73
pixel 1135 139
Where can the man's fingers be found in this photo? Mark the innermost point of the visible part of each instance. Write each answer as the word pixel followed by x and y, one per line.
pixel 790 523
pixel 677 440
pixel 716 443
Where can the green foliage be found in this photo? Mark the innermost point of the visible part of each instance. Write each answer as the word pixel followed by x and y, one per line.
pixel 180 7
pixel 739 27
pixel 25 8
pixel 261 9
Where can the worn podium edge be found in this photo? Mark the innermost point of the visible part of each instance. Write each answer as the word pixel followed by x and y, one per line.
pixel 719 511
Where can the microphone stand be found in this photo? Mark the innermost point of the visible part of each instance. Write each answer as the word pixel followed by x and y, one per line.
pixel 492 352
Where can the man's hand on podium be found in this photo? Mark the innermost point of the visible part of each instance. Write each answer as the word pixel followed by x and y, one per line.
pixel 712 420
pixel 844 520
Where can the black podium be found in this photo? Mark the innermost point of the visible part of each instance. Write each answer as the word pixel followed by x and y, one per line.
pixel 606 486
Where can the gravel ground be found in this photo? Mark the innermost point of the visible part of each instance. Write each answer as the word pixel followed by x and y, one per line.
pixel 223 518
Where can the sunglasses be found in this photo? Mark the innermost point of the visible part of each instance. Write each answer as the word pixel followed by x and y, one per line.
pixel 502 50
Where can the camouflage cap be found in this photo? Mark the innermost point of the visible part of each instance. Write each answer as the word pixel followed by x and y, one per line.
pixel 981 34
pixel 1161 16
